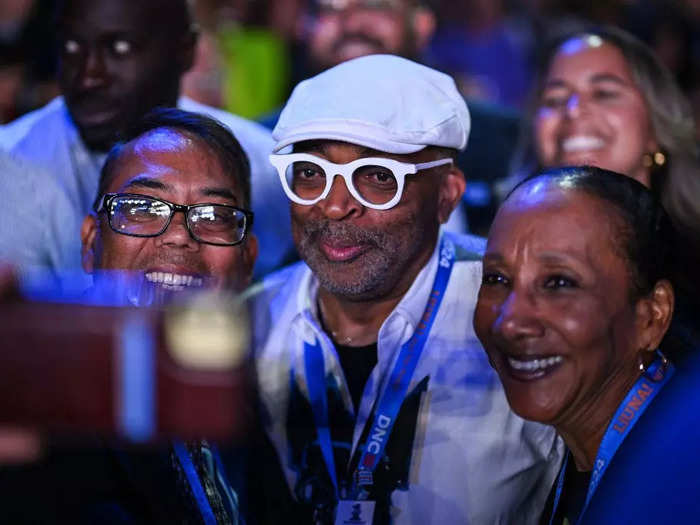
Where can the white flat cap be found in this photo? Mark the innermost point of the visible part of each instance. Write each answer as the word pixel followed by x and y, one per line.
pixel 383 102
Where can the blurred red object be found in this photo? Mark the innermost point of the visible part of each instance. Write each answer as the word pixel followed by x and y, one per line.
pixel 120 372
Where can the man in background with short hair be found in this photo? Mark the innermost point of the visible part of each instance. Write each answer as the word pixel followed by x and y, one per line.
pixel 339 30
pixel 118 60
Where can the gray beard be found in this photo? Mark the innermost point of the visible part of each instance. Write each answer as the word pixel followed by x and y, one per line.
pixel 371 275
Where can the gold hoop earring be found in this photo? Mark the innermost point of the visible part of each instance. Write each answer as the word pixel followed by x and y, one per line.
pixel 657 159
pixel 640 359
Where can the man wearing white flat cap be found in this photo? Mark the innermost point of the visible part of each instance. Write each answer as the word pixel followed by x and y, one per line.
pixel 376 394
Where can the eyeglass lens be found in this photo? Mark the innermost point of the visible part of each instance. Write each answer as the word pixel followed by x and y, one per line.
pixel 217 224
pixel 375 184
pixel 148 217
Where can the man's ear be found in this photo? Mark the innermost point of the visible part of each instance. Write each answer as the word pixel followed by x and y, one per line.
pixel 188 48
pixel 250 255
pixel 423 23
pixel 88 236
pixel 654 314
pixel 452 188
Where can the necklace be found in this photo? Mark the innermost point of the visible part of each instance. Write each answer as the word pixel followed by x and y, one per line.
pixel 336 336
pixel 344 341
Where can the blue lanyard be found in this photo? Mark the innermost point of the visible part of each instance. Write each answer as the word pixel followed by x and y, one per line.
pixel 395 391
pixel 218 474
pixel 628 413
pixel 228 495
pixel 195 484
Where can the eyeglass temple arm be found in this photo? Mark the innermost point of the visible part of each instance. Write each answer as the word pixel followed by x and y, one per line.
pixel 433 164
pixel 98 204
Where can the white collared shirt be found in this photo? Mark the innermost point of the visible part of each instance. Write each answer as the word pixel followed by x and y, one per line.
pixel 473 460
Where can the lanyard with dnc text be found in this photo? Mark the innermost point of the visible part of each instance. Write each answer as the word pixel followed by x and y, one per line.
pixel 390 402
pixel 628 413
pixel 228 497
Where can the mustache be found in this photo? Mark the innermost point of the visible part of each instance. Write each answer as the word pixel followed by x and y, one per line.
pixel 357 37
pixel 93 99
pixel 325 230
pixel 193 262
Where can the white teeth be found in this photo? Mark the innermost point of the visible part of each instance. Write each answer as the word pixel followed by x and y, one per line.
pixel 173 281
pixel 582 143
pixel 533 365
pixel 172 287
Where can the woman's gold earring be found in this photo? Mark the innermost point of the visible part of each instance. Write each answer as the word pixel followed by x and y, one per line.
pixel 640 361
pixel 657 159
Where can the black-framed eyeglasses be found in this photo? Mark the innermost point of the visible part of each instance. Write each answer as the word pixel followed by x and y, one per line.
pixel 143 216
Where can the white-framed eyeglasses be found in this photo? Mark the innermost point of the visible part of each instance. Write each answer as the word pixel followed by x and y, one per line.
pixel 374 182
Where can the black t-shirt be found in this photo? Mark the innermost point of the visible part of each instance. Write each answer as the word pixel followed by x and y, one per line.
pixel 311 499
pixel 573 497
pixel 357 363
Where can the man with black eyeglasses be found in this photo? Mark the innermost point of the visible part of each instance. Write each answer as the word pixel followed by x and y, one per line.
pixel 173 205
pixel 172 212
